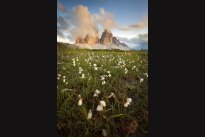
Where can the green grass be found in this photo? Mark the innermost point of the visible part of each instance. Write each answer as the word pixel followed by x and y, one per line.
pixel 116 119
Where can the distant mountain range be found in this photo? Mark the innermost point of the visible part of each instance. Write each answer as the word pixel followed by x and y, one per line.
pixel 106 41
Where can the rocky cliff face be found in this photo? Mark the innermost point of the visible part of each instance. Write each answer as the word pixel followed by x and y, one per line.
pixel 91 40
pixel 80 40
pixel 115 41
pixel 106 38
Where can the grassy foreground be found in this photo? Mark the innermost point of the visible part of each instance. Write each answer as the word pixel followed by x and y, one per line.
pixel 119 79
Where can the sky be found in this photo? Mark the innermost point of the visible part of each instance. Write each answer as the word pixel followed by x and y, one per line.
pixel 126 19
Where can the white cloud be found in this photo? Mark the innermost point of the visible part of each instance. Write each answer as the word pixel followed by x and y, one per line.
pixel 80 22
pixel 138 26
pixel 140 42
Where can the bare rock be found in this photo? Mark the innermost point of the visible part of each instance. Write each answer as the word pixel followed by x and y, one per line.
pixel 90 39
pixel 106 38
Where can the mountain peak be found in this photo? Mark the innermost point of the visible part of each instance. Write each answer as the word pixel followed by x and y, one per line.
pixel 106 38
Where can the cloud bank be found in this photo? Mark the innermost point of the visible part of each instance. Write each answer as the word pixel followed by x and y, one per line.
pixel 138 26
pixel 140 42
pixel 80 22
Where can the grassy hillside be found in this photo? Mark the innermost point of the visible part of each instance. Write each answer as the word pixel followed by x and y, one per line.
pixel 120 76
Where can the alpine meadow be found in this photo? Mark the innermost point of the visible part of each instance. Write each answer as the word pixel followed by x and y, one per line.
pixel 102 68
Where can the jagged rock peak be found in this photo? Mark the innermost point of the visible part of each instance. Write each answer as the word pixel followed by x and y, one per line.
pixel 115 41
pixel 80 40
pixel 106 37
pixel 91 40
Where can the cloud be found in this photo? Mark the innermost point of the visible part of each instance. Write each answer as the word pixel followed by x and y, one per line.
pixel 62 22
pixel 84 22
pixel 140 42
pixel 62 26
pixel 144 37
pixel 80 22
pixel 60 6
pixel 140 25
pixel 105 19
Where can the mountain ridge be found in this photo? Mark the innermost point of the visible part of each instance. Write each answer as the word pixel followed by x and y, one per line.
pixel 106 41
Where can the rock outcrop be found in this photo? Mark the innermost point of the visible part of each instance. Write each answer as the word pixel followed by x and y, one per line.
pixel 91 40
pixel 115 41
pixel 80 40
pixel 106 38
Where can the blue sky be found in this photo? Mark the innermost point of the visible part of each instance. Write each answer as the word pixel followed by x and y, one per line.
pixel 130 14
pixel 125 11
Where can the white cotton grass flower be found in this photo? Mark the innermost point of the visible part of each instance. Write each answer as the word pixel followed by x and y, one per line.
pixel 94 65
pixel 128 101
pixel 95 68
pixel 80 101
pixel 126 104
pixel 95 95
pixel 97 92
pixel 102 103
pixel 102 78
pixel 99 108
pixel 141 80
pixel 126 70
pixel 64 80
pixel 59 75
pixel 83 76
pixel 109 75
pixel 133 67
pixel 89 115
pixel 112 95
pixel 103 82
pixel 80 70
pixel 146 74
pixel 104 132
